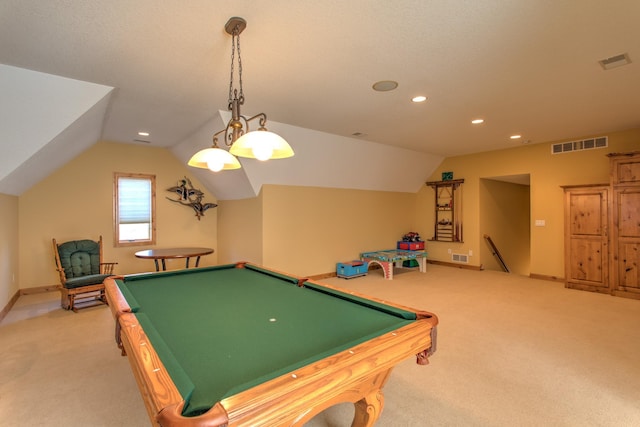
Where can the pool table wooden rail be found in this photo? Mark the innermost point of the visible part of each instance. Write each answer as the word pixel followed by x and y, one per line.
pixel 355 375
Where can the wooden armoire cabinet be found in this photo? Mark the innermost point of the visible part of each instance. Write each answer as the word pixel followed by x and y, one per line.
pixel 602 231
pixel 625 224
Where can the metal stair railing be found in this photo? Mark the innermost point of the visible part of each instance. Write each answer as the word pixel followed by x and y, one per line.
pixel 496 253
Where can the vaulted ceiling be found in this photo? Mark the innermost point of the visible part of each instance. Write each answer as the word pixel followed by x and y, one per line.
pixel 79 71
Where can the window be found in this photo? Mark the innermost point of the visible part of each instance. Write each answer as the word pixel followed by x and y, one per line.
pixel 134 209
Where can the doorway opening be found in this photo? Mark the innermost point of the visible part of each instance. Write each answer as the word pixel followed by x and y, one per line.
pixel 505 216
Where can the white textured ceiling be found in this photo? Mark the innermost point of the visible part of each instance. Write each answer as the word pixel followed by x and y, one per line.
pixel 527 67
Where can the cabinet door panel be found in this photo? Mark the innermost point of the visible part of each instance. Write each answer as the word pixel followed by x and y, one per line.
pixel 628 261
pixel 587 261
pixel 586 214
pixel 629 213
pixel 628 172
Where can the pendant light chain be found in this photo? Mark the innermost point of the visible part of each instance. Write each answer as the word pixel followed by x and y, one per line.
pixel 240 68
pixel 235 44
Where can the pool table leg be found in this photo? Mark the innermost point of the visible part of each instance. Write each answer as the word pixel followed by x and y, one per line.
pixel 369 408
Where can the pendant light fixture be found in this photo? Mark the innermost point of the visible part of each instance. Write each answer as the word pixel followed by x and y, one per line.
pixel 258 144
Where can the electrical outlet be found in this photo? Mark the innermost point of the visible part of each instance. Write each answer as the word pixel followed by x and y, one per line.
pixel 449 250
pixel 470 252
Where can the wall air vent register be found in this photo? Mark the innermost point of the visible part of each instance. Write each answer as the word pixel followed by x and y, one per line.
pixel 584 144
pixel 460 258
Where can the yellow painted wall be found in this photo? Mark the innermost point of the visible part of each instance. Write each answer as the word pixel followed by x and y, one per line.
pixel 301 230
pixel 240 230
pixel 76 201
pixel 307 230
pixel 504 216
pixel 548 172
pixel 9 272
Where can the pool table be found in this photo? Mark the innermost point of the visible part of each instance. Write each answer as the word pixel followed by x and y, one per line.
pixel 244 345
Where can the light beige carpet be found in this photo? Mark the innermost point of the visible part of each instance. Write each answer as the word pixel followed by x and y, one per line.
pixel 512 351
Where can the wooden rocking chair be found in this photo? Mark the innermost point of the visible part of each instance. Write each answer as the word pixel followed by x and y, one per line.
pixel 82 271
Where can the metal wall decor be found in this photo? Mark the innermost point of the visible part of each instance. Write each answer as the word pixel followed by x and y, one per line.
pixel 190 196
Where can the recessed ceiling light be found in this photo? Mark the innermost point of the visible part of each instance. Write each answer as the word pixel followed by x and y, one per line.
pixel 515 136
pixel 420 98
pixel 385 85
pixel 477 121
pixel 143 133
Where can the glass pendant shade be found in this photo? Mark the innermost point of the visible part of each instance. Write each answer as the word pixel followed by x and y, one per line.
pixel 261 145
pixel 214 159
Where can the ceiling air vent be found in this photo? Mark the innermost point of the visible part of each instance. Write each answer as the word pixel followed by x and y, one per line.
pixel 615 61
pixel 584 144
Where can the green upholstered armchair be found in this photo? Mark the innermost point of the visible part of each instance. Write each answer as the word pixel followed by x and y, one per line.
pixel 82 271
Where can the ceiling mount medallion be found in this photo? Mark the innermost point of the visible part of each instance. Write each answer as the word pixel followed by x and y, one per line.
pixel 260 144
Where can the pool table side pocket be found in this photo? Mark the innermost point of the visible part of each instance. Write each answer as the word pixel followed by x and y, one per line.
pixel 296 280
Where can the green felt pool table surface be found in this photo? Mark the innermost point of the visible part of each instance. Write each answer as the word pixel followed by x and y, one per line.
pixel 222 330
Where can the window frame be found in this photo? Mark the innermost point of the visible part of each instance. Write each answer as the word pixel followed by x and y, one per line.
pixel 116 210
